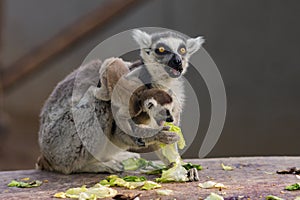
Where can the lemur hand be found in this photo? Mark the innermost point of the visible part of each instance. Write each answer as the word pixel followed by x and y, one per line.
pixel 167 137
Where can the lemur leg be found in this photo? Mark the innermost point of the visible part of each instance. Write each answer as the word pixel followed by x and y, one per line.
pixel 124 155
pixel 95 166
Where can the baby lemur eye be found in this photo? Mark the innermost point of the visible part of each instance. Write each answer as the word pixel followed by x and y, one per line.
pixel 150 105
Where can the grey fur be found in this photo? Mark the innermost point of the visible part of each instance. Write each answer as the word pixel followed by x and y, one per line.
pixel 69 135
pixel 61 147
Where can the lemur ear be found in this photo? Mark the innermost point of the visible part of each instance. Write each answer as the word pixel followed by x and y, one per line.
pixel 142 38
pixel 194 44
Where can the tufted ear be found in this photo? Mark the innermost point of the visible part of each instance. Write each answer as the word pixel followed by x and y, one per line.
pixel 142 38
pixel 194 44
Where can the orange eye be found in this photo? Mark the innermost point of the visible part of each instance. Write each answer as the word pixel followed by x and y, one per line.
pixel 161 49
pixel 182 50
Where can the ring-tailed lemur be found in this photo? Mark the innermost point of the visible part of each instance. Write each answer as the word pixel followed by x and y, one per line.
pixel 165 57
pixel 113 73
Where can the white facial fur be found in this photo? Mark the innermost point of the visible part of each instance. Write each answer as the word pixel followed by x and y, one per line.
pixel 156 111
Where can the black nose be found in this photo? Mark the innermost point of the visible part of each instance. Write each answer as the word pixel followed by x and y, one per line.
pixel 175 62
pixel 169 117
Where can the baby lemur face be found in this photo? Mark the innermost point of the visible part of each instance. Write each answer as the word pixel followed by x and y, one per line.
pixel 152 107
pixel 157 112
pixel 167 52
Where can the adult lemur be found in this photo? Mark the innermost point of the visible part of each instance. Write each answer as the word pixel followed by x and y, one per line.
pixel 72 116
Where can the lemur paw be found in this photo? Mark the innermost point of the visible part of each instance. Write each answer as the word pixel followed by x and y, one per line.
pixel 113 166
pixel 167 137
pixel 126 155
pixel 193 174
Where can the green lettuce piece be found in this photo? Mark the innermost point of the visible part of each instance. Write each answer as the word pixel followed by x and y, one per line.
pixel 22 184
pixel 164 192
pixel 177 173
pixel 214 196
pixel 293 187
pixel 149 185
pixel 110 177
pixel 155 165
pixel 114 180
pixel 60 195
pixel 226 167
pixel 156 171
pixel 272 197
pixel 176 129
pixel 104 182
pixel 75 192
pixel 132 164
pixel 189 166
pixel 98 191
pixel 83 193
pixel 171 153
pixel 134 178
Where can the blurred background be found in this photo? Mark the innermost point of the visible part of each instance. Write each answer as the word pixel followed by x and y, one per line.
pixel 254 43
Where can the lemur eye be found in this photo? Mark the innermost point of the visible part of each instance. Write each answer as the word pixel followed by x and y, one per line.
pixel 150 105
pixel 182 50
pixel 161 51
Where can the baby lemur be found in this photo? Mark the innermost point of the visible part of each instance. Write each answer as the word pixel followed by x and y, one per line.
pixel 146 106
pixel 78 131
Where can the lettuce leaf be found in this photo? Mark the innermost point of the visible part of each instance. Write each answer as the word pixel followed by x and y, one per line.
pixel 226 167
pixel 177 173
pixel 97 191
pixel 272 197
pixel 293 187
pixel 21 184
pixel 189 166
pixel 214 196
pixel 176 129
pixel 164 192
pixel 149 185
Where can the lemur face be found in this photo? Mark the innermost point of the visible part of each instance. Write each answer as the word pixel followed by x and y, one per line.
pixel 167 52
pixel 158 104
pixel 158 113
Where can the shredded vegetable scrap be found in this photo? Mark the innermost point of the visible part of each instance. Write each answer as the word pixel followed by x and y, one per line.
pixel 150 185
pixel 82 193
pixel 176 129
pixel 214 196
pixel 177 173
pixel 226 167
pixel 21 184
pixel 272 197
pixel 165 192
pixel 211 184
pixel 293 187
